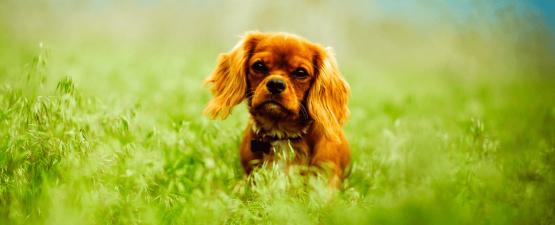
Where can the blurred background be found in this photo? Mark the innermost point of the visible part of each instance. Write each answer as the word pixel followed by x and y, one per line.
pixel 374 40
pixel 369 32
pixel 453 111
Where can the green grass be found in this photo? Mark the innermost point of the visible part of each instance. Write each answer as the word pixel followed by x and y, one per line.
pixel 458 129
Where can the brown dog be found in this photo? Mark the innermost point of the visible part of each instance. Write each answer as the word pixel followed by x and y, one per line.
pixel 297 99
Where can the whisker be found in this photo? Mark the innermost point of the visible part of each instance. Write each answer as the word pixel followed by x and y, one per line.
pixel 304 111
pixel 249 94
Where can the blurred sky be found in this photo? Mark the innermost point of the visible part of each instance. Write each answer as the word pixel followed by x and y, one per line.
pixel 548 9
pixel 459 8
pixel 462 8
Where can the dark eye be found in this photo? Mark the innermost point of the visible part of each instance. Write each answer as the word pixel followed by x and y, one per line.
pixel 259 67
pixel 300 73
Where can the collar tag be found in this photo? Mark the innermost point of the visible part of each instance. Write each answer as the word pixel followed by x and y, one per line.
pixel 260 146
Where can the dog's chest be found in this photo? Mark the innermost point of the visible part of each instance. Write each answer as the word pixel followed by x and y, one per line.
pixel 286 153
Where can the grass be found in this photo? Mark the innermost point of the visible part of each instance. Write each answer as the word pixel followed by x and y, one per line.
pixel 105 134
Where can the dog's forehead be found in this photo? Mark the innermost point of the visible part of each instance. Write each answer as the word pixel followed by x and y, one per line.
pixel 285 47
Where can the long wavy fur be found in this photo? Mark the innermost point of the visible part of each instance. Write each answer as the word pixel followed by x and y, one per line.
pixel 329 95
pixel 229 79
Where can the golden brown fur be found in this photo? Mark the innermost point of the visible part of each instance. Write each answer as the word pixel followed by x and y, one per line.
pixel 305 110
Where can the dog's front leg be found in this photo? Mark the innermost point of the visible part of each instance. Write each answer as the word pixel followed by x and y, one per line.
pixel 332 157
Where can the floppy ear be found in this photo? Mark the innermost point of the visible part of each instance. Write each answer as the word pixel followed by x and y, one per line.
pixel 229 79
pixel 329 94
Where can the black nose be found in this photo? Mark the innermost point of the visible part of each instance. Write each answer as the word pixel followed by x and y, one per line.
pixel 275 86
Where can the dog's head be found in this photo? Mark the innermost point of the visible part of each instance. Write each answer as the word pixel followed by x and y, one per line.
pixel 282 76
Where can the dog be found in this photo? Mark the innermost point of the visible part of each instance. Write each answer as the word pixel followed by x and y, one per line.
pixel 296 97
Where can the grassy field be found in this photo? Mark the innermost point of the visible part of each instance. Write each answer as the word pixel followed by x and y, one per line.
pixel 451 124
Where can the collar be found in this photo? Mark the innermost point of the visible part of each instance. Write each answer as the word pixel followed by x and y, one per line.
pixel 263 142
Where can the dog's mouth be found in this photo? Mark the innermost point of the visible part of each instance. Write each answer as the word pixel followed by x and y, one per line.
pixel 273 108
pixel 272 105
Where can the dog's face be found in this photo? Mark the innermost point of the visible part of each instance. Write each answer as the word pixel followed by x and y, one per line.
pixel 283 77
pixel 280 73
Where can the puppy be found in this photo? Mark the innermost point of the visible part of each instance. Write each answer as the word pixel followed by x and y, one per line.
pixel 296 97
